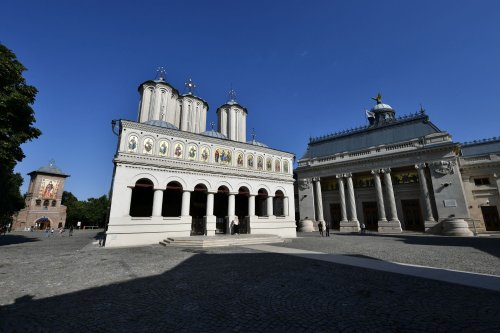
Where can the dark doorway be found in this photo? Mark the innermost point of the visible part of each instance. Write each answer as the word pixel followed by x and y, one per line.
pixel 261 203
pixel 370 214
pixel 278 203
pixel 412 215
pixel 335 216
pixel 141 204
pixel 490 216
pixel 241 210
pixel 221 199
pixel 198 209
pixel 172 200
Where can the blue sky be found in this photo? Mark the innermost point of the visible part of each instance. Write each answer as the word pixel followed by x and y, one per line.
pixel 302 68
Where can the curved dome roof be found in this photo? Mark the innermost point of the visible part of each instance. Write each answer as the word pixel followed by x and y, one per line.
pixel 51 168
pixel 257 143
pixel 214 134
pixel 160 123
pixel 382 106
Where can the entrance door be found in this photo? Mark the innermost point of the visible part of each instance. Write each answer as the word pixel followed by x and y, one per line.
pixel 198 226
pixel 336 216
pixel 490 216
pixel 370 214
pixel 412 215
pixel 244 225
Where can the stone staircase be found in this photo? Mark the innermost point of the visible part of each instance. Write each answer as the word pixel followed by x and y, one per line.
pixel 220 241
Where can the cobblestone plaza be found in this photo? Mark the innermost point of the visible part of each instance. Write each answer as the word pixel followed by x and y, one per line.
pixel 60 284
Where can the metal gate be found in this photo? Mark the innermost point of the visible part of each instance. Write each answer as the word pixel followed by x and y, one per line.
pixel 220 225
pixel 244 224
pixel 198 226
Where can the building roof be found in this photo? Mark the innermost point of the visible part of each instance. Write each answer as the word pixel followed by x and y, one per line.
pixel 481 147
pixel 401 129
pixel 51 169
pixel 257 143
pixel 214 134
pixel 161 123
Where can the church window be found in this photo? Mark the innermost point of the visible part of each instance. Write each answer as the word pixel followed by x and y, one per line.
pixel 285 166
pixel 46 203
pixel 163 150
pixel 38 202
pixel 53 203
pixel 481 181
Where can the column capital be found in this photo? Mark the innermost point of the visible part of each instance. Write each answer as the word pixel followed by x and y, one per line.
pixel 339 176
pixel 420 166
pixel 376 171
pixel 348 175
pixel 316 179
pixel 385 170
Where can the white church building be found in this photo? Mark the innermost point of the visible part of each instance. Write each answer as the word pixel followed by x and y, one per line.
pixel 174 178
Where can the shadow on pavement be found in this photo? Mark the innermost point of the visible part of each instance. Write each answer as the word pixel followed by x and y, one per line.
pixel 259 292
pixel 9 239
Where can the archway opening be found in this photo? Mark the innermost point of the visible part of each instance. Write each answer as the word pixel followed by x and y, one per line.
pixel 278 202
pixel 141 204
pixel 198 209
pixel 260 203
pixel 172 200
pixel 221 199
pixel 241 210
pixel 42 223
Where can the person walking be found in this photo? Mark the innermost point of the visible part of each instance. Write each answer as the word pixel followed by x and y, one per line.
pixel 320 228
pixel 236 227
pixel 363 228
pixel 327 229
pixel 71 231
pixel 52 232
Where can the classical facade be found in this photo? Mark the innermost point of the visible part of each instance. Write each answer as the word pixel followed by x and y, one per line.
pixel 174 178
pixel 397 173
pixel 43 207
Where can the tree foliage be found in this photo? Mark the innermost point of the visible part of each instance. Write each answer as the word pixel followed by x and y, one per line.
pixel 92 212
pixel 16 120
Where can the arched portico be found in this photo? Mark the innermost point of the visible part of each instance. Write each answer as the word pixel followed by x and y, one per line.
pixel 242 211
pixel 221 201
pixel 198 209
pixel 172 200
pixel 141 203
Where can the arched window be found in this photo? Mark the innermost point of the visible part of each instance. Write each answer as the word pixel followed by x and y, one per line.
pixel 278 203
pixel 260 203
pixel 172 200
pixel 141 204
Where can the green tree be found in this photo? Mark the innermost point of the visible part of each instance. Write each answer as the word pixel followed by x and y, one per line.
pixel 16 120
pixel 92 212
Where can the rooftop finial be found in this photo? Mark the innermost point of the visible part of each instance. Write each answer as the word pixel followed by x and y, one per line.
pixel 213 124
pixel 422 110
pixel 232 94
pixel 52 162
pixel 190 86
pixel 253 134
pixel 160 73
pixel 378 99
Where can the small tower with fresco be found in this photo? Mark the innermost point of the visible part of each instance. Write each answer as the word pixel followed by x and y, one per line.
pixel 43 207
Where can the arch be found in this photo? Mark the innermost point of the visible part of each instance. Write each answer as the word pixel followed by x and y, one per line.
pixel 265 187
pixel 175 179
pixel 198 209
pixel 245 184
pixel 278 203
pixel 141 203
pixel 172 199
pixel 192 151
pixel 42 223
pixel 148 145
pixel 149 176
pixel 132 143
pixel 196 182
pixel 178 149
pixel 226 184
pixel 261 202
pixel 280 188
pixel 163 148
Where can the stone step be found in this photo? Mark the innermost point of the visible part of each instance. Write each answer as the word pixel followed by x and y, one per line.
pixel 203 241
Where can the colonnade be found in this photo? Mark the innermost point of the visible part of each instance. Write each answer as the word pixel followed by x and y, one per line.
pixel 349 219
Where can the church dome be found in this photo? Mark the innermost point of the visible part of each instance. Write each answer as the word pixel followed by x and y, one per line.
pixel 257 143
pixel 160 123
pixel 214 134
pixel 51 168
pixel 382 106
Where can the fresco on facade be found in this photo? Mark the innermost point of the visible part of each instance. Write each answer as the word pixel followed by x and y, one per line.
pixel 269 164
pixel 132 144
pixel 222 156
pixel 239 160
pixel 205 153
pixel 163 151
pixel 277 166
pixel 404 177
pixel 192 152
pixel 148 146
pixel 250 161
pixel 285 167
pixel 48 188
pixel 260 163
pixel 178 150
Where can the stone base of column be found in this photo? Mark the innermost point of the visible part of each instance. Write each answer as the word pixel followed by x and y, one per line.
pixel 432 227
pixel 456 227
pixel 389 227
pixel 349 226
pixel 306 225
pixel 211 222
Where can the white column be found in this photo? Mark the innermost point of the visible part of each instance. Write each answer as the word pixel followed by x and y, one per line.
pixel 157 202
pixel 319 198
pixel 380 196
pixel 352 200
pixel 146 99
pixel 210 204
pixel 425 192
pixel 343 211
pixel 184 116
pixel 251 205
pixel 232 124
pixel 390 192
pixel 285 206
pixel 231 205
pixel 128 198
pixel 269 206
pixel 186 198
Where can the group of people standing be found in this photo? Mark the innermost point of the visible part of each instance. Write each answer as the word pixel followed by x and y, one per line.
pixel 322 225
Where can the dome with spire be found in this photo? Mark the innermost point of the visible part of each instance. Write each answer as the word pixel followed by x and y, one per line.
pixel 50 168
pixel 257 143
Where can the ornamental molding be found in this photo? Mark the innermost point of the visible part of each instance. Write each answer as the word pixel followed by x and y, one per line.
pixel 443 167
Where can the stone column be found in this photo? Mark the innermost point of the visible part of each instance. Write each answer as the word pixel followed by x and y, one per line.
pixel 380 196
pixel 210 204
pixel 269 201
pixel 319 198
pixel 285 206
pixel 210 219
pixel 429 218
pixel 251 205
pixel 186 201
pixel 343 210
pixel 231 205
pixel 393 225
pixel 157 202
pixel 352 200
pixel 128 198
